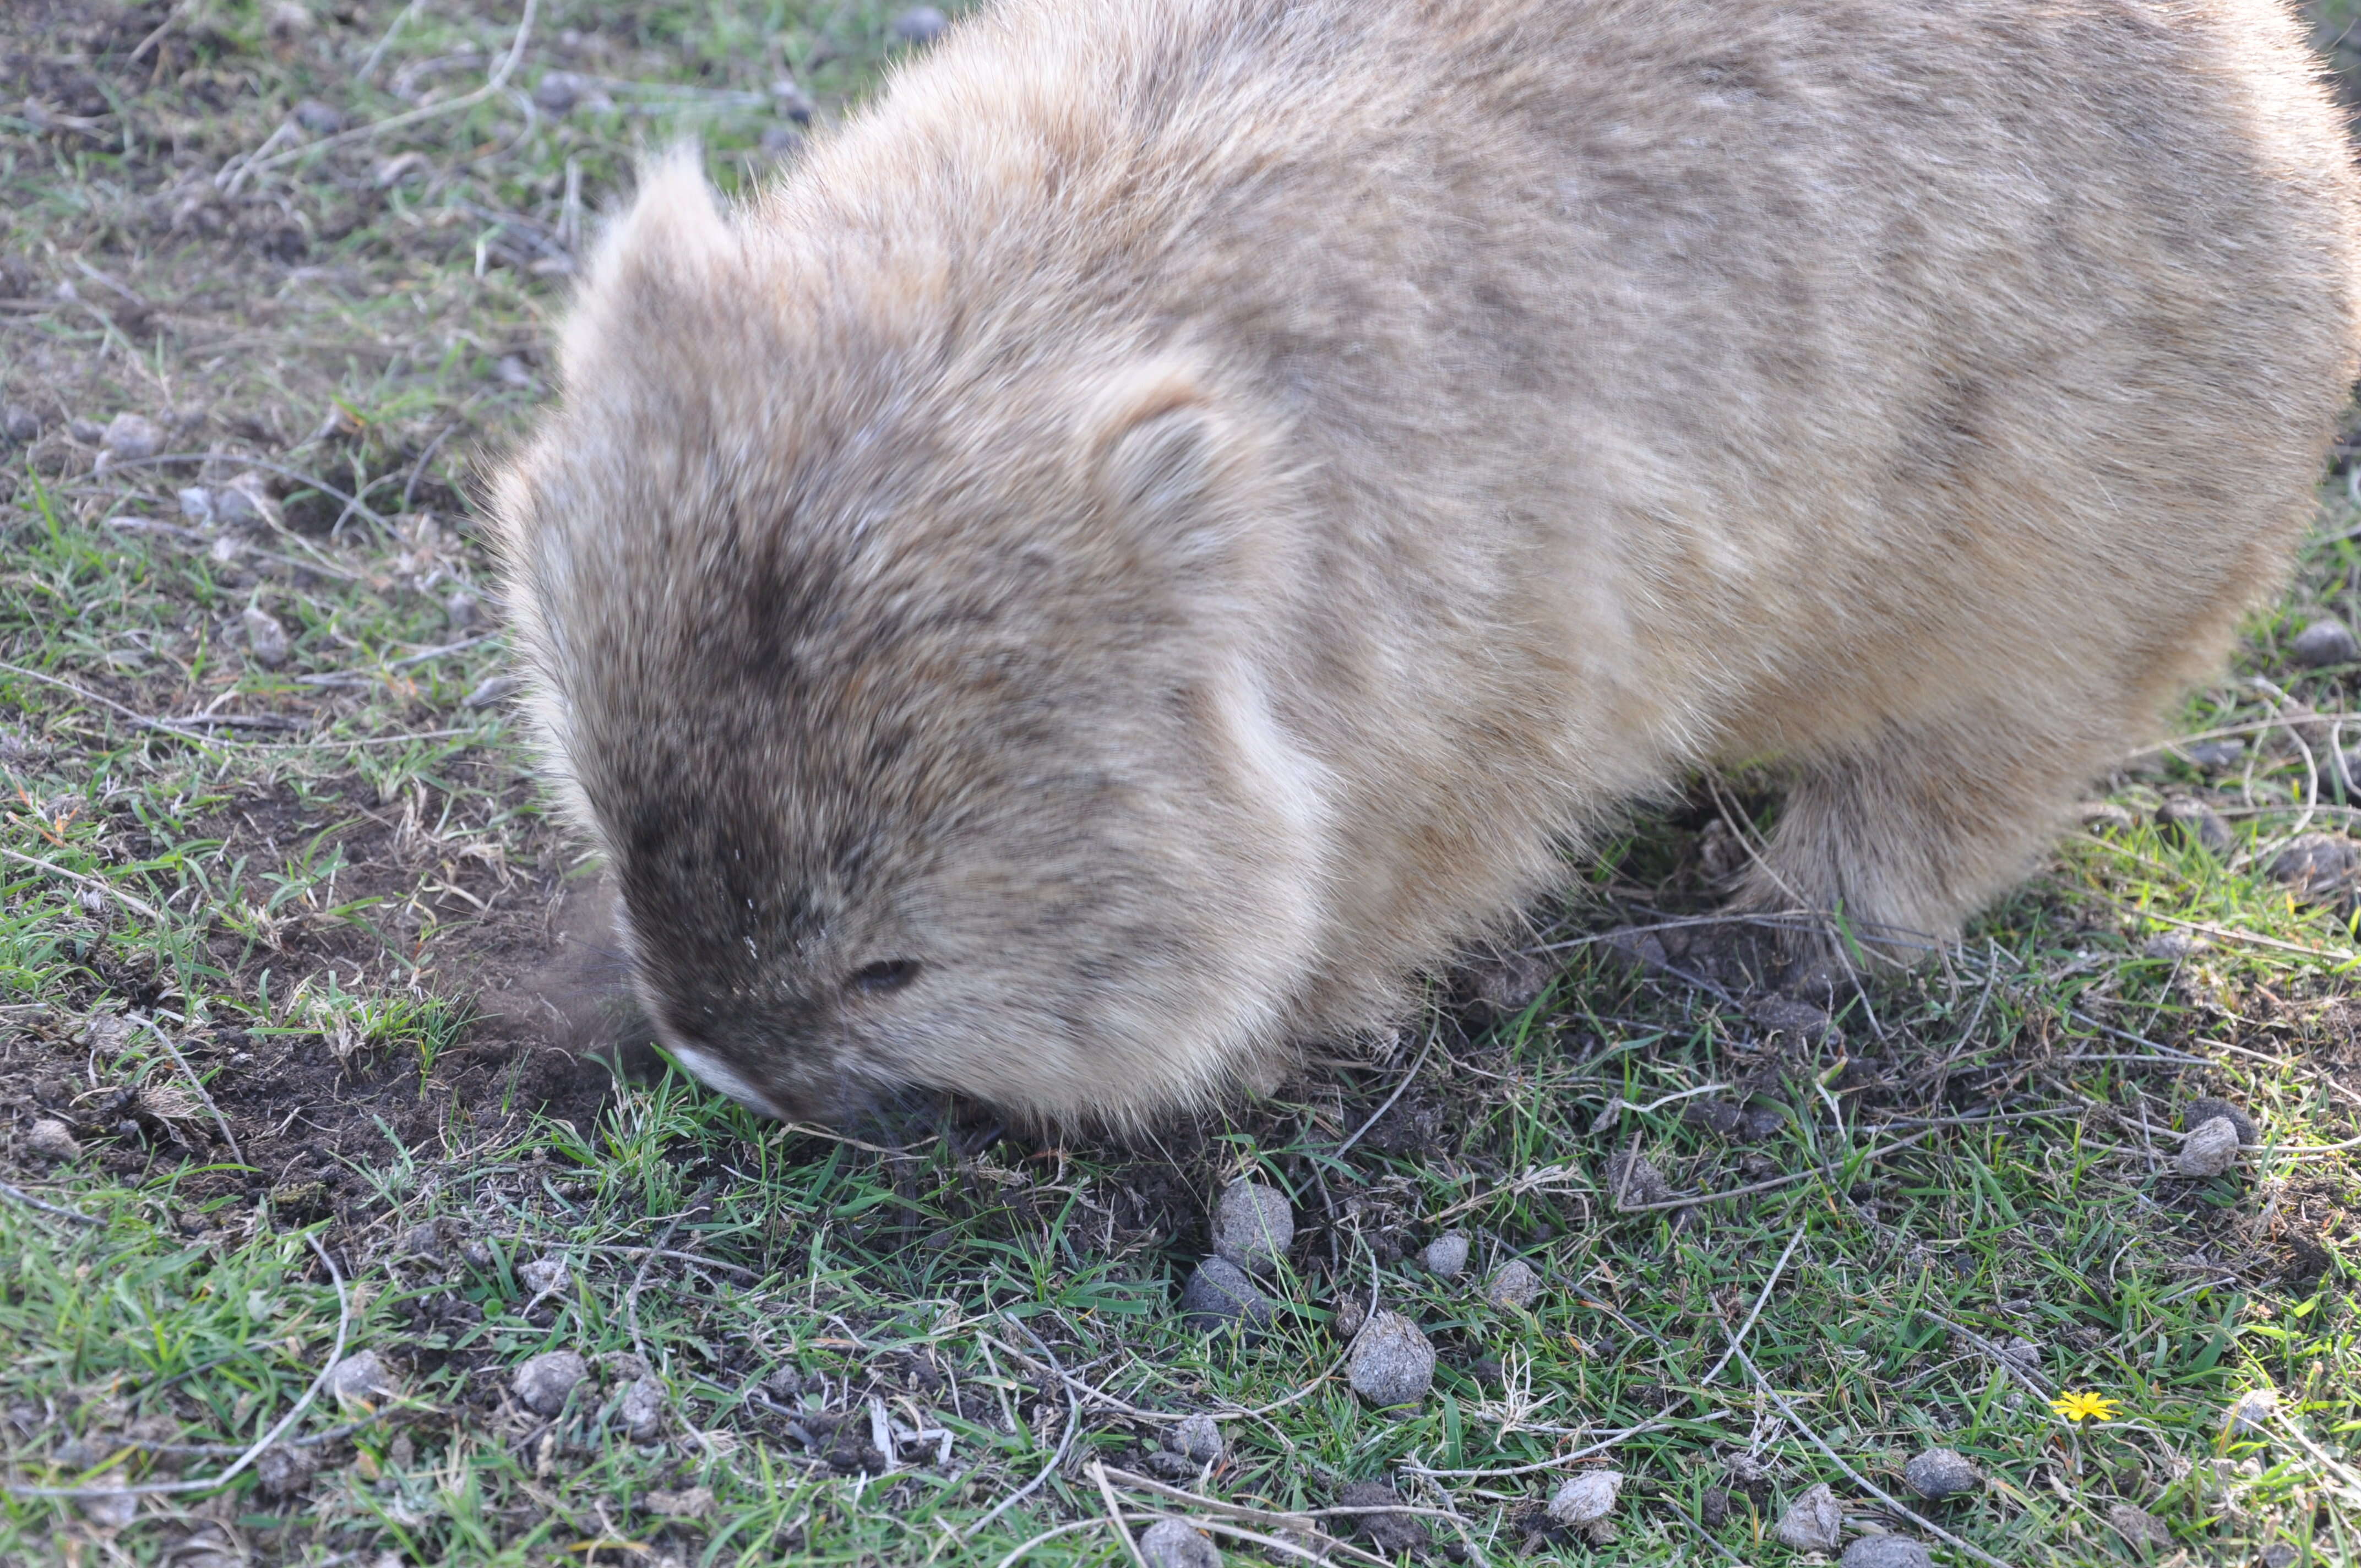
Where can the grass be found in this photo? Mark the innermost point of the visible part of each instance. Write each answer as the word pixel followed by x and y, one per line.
pixel 351 922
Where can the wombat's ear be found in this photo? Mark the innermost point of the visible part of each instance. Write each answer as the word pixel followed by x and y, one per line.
pixel 1158 445
pixel 669 243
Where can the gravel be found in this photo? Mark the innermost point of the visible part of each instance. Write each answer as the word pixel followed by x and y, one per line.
pixel 1391 1533
pixel 1722 1118
pixel 2315 865
pixel 1812 1522
pixel 1886 1552
pixel 21 422
pixel 130 437
pixel 1446 1254
pixel 2209 1149
pixel 2197 1112
pixel 1940 1473
pixel 284 1472
pixel 245 502
pixel 51 1139
pixel 2250 1411
pixel 2197 822
pixel 557 92
pixel 361 1379
pixel 544 1276
pixel 267 642
pixel 1171 1543
pixel 1392 1362
pixel 1586 1498
pixel 1253 1226
pixel 919 25
pixel 543 1383
pixel 2138 1527
pixel 1633 1181
pixel 1197 1438
pixel 642 1410
pixel 2325 641
pixel 1514 1284
pixel 1221 1293
pixel 320 120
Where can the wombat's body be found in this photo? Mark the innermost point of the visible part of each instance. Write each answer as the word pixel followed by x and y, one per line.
pixel 1170 522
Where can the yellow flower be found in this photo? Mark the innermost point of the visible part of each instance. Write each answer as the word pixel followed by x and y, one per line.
pixel 2084 1407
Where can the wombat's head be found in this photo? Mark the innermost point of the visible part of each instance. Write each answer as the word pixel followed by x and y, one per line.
pixel 907 674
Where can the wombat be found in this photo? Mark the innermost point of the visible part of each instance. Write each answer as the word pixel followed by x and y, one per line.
pixel 1177 517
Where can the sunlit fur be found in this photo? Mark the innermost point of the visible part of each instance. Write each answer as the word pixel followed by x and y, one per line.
pixel 1176 518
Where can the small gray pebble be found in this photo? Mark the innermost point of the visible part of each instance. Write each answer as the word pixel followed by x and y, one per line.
pixel 2138 1527
pixel 285 1472
pixel 245 502
pixel 919 25
pixel 129 437
pixel 543 1383
pixel 197 504
pixel 320 120
pixel 1514 1284
pixel 1885 1552
pixel 788 98
pixel 1254 1226
pixel 1198 1438
pixel 489 691
pixel 462 610
pixel 51 1139
pixel 1812 1522
pixel 360 1377
pixel 2213 756
pixel 266 641
pixel 1940 1473
pixel 88 433
pixel 2209 1149
pixel 2200 1110
pixel 642 1410
pixel 2250 1411
pixel 21 422
pixel 782 141
pixel 1391 1532
pixel 544 1276
pixel 1722 1118
pixel 2172 946
pixel 1171 1543
pixel 1633 1181
pixel 2315 864
pixel 2022 1350
pixel 1221 1293
pixel 478 1255
pixel 557 92
pixel 1446 1254
pixel 1586 1498
pixel 2198 822
pixel 2325 641
pixel 1764 1122
pixel 423 1240
pixel 1391 1361
pixel 513 371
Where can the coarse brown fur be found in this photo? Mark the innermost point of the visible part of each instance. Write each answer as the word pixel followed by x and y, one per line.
pixel 1173 519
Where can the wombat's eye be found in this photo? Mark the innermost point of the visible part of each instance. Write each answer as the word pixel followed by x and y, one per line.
pixel 886 974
